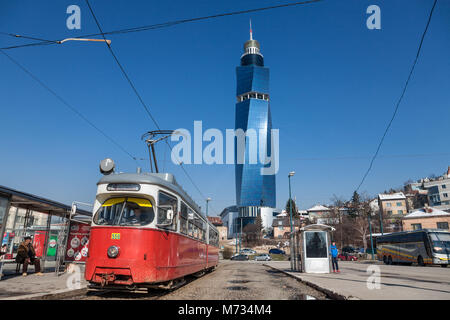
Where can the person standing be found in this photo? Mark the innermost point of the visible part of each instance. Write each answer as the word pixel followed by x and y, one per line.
pixel 334 257
pixel 27 255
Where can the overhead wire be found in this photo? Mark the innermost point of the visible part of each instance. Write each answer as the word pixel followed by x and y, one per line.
pixel 67 104
pixel 137 93
pixel 160 25
pixel 400 99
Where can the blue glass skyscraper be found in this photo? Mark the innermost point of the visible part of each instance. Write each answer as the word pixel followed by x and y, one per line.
pixel 253 190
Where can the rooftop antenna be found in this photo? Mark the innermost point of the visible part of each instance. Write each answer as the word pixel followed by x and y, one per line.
pixel 251 32
pixel 152 137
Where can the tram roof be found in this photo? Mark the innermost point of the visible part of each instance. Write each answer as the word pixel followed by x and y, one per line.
pixel 166 180
pixel 25 200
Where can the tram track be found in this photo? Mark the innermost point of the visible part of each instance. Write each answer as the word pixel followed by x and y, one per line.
pixel 230 281
pixel 86 294
pixel 89 294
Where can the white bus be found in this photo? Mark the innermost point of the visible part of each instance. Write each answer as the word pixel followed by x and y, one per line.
pixel 427 246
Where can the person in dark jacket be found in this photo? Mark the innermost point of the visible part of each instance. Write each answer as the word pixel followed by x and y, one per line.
pixel 3 250
pixel 27 255
pixel 334 257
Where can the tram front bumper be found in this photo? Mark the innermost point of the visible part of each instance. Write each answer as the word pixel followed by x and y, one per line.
pixel 120 272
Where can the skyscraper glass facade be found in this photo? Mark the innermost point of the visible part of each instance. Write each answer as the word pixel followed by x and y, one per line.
pixel 253 189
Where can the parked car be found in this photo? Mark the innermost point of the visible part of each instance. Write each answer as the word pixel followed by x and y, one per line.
pixel 240 257
pixel 347 257
pixel 248 251
pixel 263 257
pixel 276 251
pixel 349 250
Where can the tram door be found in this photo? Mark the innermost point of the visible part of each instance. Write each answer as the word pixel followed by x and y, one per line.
pixel 168 204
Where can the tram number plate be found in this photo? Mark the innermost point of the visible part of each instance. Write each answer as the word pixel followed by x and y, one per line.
pixel 115 236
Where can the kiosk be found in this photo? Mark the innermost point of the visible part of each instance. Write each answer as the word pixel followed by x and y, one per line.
pixel 314 244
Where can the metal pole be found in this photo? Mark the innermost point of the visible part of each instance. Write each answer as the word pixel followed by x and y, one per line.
pixel 292 229
pixel 5 218
pixel 236 234
pixel 381 220
pixel 371 240
pixel 150 157
pixel 47 239
pixel 240 238
pixel 64 241
pixel 154 158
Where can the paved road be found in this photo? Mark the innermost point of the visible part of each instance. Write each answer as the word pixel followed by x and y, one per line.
pixel 396 281
pixel 238 280
pixel 232 280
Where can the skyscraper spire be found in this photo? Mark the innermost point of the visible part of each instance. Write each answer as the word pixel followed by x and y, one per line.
pixel 251 47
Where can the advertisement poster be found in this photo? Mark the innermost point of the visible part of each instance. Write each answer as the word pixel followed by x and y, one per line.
pixel 52 242
pixel 78 242
pixel 39 242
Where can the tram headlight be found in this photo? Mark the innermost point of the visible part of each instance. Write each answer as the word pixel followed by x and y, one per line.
pixel 113 251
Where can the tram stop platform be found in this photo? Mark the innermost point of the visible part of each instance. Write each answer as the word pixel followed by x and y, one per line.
pixel 17 287
pixel 357 281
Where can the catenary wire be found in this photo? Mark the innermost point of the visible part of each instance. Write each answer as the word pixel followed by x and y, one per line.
pixel 400 99
pixel 68 105
pixel 138 95
pixel 160 25
pixel 353 157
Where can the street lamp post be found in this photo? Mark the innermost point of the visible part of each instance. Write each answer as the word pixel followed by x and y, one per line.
pixel 290 218
pixel 240 238
pixel 371 239
pixel 381 220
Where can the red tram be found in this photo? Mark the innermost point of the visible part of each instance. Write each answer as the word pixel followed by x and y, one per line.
pixel 147 232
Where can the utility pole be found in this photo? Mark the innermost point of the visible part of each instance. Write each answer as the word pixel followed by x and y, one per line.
pixel 371 240
pixel 291 242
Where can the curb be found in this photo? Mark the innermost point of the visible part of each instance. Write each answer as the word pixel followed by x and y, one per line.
pixel 331 294
pixel 47 294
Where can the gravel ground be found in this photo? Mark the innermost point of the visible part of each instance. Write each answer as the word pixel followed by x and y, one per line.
pixel 244 280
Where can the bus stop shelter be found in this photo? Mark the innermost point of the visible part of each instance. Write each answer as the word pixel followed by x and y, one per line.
pixel 313 242
pixel 23 214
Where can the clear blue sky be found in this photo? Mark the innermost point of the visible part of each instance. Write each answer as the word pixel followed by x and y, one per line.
pixel 333 87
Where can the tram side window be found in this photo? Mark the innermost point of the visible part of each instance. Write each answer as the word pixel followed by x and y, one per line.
pixel 166 203
pixel 196 232
pixel 197 223
pixel 204 231
pixel 213 238
pixel 190 228
pixel 184 219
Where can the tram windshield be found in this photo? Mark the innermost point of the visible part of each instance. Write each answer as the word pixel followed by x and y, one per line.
pixel 125 212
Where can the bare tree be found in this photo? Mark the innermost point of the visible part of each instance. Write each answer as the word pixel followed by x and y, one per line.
pixel 361 220
pixel 337 218
pixel 253 233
